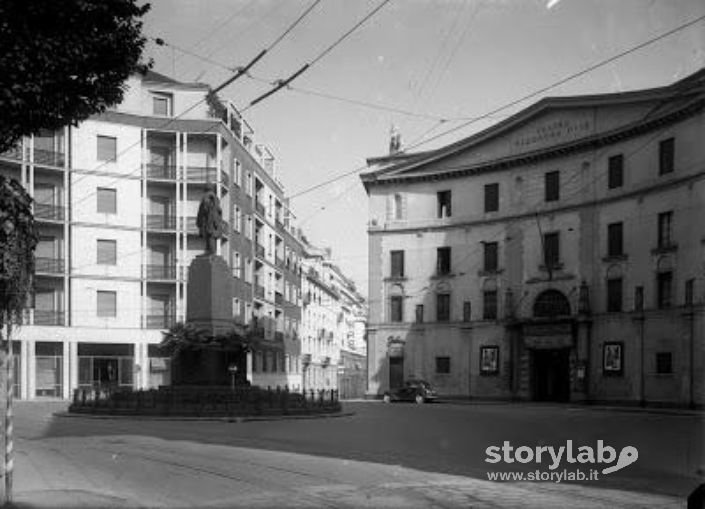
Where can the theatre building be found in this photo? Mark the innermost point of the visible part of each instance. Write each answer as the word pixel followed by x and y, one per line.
pixel 558 255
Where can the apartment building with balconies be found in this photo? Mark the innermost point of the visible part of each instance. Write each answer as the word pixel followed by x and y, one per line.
pixel 115 200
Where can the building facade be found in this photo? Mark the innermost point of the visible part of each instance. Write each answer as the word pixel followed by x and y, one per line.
pixel 333 318
pixel 115 199
pixel 555 256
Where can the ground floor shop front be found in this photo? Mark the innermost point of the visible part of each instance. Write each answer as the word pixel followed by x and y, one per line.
pixel 655 357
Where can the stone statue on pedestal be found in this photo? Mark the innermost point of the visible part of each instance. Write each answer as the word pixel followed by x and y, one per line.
pixel 210 219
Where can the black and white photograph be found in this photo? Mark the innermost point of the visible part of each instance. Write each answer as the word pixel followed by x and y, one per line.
pixel 352 253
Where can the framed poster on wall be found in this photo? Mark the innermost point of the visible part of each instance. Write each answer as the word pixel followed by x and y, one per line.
pixel 612 358
pixel 489 360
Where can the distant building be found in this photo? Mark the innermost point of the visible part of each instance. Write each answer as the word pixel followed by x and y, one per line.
pixel 332 318
pixel 116 200
pixel 558 255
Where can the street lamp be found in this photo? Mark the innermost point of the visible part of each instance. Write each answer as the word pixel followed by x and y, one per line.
pixel 232 369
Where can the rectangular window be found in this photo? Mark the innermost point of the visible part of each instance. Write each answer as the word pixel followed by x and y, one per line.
pixel 666 156
pixel 236 307
pixel 664 281
pixel 443 307
pixel 399 206
pixel 664 363
pixel 615 171
pixel 161 104
pixel 444 205
pixel 397 308
pixel 107 148
pixel 491 197
pixel 614 239
pixel 638 298
pixel 665 220
pixel 237 265
pixel 489 305
pixel 443 261
pixel 443 365
pixel 552 185
pixel 238 172
pixel 107 200
pixel 491 256
pixel 419 313
pixel 397 262
pixel 106 252
pixel 107 303
pixel 551 249
pixel 467 311
pixel 689 292
pixel 614 295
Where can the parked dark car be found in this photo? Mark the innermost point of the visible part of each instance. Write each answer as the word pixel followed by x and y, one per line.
pixel 418 391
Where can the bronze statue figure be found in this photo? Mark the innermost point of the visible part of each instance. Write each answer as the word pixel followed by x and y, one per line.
pixel 210 219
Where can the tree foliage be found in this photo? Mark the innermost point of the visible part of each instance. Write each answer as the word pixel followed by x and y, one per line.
pixel 187 336
pixel 18 239
pixel 64 60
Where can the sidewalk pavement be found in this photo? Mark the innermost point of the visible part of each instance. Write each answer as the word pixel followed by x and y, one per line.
pixel 136 471
pixel 543 404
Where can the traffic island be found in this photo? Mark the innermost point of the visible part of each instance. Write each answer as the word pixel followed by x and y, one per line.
pixel 205 401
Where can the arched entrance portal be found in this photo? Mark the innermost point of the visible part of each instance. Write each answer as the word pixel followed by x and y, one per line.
pixel 550 347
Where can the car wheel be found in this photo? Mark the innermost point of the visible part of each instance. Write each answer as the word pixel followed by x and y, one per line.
pixel 419 399
pixel 387 398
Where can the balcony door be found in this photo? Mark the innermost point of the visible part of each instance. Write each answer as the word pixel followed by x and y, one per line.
pixel 160 310
pixel 160 255
pixel 161 209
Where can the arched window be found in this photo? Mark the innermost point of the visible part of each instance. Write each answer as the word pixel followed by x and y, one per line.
pixel 551 303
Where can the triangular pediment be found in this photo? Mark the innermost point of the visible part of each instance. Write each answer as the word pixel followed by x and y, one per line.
pixel 552 123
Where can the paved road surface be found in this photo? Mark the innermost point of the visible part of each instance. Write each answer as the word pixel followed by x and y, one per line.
pixel 400 455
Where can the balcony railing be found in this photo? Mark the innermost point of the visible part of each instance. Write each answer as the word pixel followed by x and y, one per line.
pixel 278 261
pixel 153 271
pixel 259 291
pixel 160 222
pixel 191 226
pixel 49 212
pixel 13 153
pixel 206 174
pixel 224 178
pixel 161 171
pixel 49 265
pixel 159 321
pixel 48 317
pixel 259 250
pixel 278 299
pixel 259 207
pixel 49 157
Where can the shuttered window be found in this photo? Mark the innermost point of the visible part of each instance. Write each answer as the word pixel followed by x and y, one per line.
pixel 107 148
pixel 614 239
pixel 397 262
pixel 107 303
pixel 107 252
pixel 491 197
pixel 107 200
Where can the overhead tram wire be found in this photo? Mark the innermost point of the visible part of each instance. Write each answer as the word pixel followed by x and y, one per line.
pixel 568 78
pixel 520 100
pixel 279 84
pixel 238 73
pixel 324 95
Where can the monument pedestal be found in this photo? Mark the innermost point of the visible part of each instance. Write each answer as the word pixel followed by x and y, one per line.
pixel 209 304
pixel 209 308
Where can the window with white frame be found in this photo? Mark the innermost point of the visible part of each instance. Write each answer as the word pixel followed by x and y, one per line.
pixel 162 104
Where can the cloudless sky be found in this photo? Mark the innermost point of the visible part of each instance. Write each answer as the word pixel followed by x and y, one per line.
pixel 443 59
